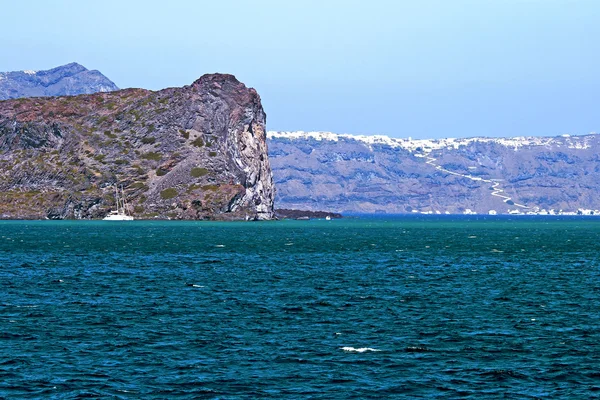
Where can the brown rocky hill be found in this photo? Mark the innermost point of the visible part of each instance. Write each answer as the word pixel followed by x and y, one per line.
pixel 197 152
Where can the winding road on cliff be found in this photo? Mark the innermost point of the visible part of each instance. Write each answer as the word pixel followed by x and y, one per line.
pixel 496 190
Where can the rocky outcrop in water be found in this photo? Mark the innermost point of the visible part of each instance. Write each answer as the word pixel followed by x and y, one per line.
pixel 378 174
pixel 197 152
pixel 283 213
pixel 67 80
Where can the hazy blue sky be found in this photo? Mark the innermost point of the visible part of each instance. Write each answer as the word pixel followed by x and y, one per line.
pixel 422 68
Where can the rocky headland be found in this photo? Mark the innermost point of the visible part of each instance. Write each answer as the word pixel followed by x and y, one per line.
pixel 197 152
pixel 66 80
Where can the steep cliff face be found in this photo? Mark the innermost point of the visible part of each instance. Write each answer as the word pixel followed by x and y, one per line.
pixel 350 173
pixel 197 152
pixel 66 80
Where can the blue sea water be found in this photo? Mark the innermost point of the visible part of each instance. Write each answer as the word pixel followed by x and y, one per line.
pixel 466 308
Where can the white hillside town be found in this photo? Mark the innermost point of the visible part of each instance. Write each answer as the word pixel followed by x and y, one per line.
pixel 428 145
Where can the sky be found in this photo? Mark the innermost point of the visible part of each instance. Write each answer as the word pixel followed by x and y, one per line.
pixel 420 69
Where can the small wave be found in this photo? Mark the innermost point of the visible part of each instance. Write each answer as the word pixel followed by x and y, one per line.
pixel 417 349
pixel 503 374
pixel 211 262
pixel 359 350
pixel 22 336
pixel 293 309
pixel 341 380
pixel 14 361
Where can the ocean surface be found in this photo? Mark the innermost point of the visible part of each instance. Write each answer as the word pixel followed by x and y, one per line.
pixel 430 307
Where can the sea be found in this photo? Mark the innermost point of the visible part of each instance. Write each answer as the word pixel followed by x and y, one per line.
pixel 406 307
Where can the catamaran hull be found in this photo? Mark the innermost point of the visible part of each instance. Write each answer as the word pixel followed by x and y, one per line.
pixel 118 218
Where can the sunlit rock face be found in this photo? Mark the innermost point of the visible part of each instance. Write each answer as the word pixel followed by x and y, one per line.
pixel 196 152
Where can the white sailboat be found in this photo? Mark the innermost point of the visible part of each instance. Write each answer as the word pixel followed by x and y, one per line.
pixel 121 213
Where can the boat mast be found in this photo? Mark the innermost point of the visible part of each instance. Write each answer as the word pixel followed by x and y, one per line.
pixel 117 197
pixel 125 211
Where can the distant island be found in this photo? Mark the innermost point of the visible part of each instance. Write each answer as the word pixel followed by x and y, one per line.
pixel 66 80
pixel 378 174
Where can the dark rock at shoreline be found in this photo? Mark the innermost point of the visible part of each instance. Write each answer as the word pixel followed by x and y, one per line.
pixel 304 214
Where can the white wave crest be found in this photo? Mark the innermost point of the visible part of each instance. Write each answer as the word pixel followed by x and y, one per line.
pixel 359 350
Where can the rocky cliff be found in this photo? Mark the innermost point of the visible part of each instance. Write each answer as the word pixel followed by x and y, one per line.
pixel 197 152
pixel 346 173
pixel 67 80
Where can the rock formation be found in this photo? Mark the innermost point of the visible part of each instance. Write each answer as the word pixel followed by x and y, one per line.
pixel 67 80
pixel 197 152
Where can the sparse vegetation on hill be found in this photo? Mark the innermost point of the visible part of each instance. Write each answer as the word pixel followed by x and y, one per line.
pixel 62 157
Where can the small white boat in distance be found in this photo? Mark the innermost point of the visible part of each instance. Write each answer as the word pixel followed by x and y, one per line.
pixel 121 213
pixel 328 218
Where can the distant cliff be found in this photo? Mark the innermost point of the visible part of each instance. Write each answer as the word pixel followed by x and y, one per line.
pixel 197 152
pixel 67 80
pixel 325 171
